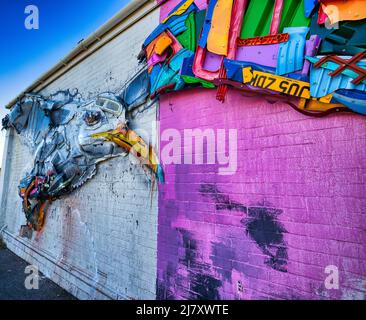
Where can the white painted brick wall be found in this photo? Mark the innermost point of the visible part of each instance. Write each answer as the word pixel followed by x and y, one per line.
pixel 101 241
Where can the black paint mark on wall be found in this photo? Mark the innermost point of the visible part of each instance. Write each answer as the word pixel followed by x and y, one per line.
pixel 205 287
pixel 261 224
pixel 165 286
pixel 201 284
pixel 222 201
pixel 263 227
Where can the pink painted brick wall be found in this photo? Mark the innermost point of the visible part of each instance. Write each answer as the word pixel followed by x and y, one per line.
pixel 295 205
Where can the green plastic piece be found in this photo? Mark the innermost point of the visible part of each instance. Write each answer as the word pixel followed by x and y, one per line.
pixel 293 15
pixel 200 19
pixel 188 38
pixel 193 80
pixel 258 17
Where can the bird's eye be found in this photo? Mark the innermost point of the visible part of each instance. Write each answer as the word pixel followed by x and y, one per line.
pixel 92 117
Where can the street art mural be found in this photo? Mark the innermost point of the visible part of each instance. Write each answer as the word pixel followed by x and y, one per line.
pixel 69 137
pixel 307 53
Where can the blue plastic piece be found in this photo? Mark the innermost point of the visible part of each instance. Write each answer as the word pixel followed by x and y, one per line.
pixel 332 66
pixel 159 29
pixel 322 84
pixel 169 72
pixel 177 61
pixel 234 69
pixel 154 75
pixel 291 53
pixel 160 173
pixel 207 24
pixel 355 94
pixel 353 99
pixel 176 24
pixel 309 7
pixel 186 69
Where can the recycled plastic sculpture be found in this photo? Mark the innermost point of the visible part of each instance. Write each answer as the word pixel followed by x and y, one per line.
pixel 282 49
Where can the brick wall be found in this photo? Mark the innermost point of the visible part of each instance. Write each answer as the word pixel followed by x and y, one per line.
pixel 99 242
pixel 294 206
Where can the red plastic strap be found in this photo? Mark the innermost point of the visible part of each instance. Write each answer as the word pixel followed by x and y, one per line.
pixel 345 64
pixel 222 88
pixel 256 41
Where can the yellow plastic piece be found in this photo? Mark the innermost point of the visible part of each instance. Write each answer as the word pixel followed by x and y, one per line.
pixel 133 143
pixel 280 84
pixel 180 10
pixel 316 105
pixel 343 10
pixel 218 37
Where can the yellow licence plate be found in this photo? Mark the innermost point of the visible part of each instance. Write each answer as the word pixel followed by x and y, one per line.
pixel 280 84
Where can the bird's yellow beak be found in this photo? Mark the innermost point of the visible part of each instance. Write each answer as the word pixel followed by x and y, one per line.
pixel 130 141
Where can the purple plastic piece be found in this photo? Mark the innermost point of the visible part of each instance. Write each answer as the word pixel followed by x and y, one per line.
pixel 312 46
pixel 213 61
pixel 155 58
pixel 265 55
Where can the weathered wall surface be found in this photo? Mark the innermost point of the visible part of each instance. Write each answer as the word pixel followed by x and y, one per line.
pixel 295 205
pixel 99 242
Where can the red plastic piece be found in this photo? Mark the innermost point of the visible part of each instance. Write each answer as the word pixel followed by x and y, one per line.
pixel 322 17
pixel 276 17
pixel 257 41
pixel 222 88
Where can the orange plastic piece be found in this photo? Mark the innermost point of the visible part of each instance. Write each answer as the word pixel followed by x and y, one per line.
pixel 162 44
pixel 218 37
pixel 159 44
pixel 343 10
pixel 26 194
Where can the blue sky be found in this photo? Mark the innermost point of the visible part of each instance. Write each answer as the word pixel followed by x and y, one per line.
pixel 26 54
